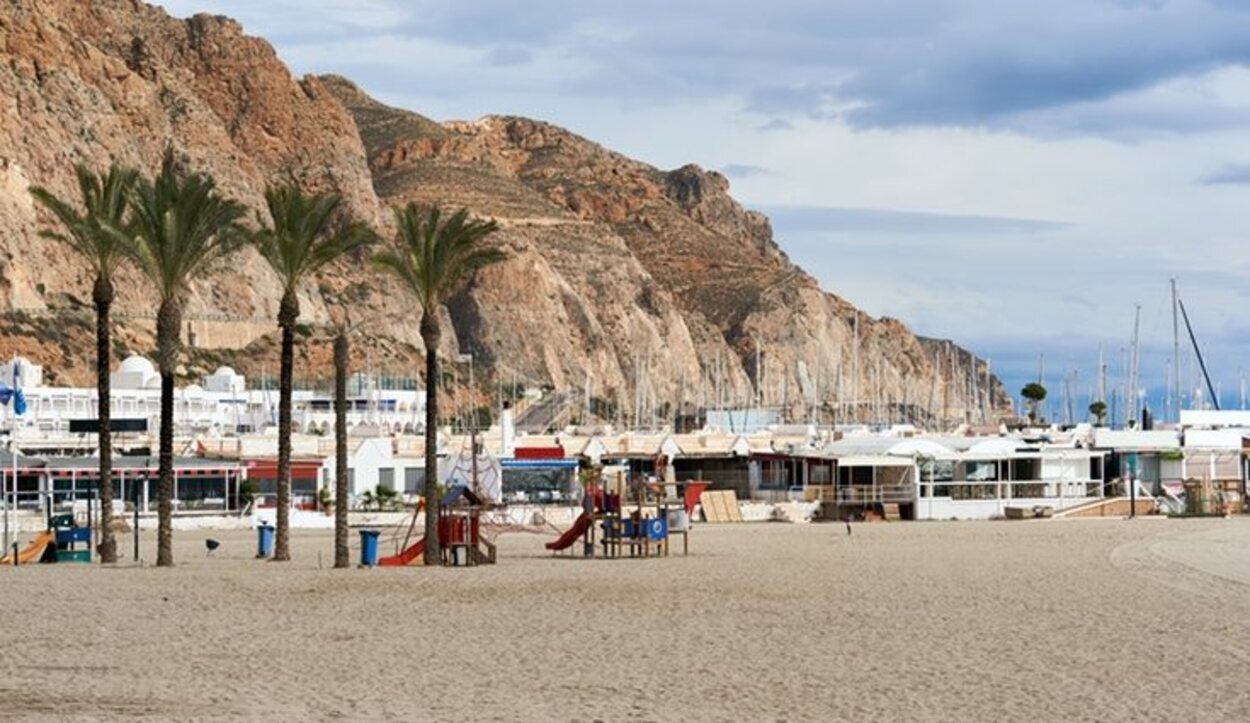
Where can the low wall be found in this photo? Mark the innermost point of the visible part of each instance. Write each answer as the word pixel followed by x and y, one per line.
pixel 937 508
pixel 1115 507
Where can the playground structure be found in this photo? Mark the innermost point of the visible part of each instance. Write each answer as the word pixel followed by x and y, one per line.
pixel 460 538
pixel 606 529
pixel 1208 498
pixel 58 543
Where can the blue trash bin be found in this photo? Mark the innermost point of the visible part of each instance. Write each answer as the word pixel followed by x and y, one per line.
pixel 264 540
pixel 369 547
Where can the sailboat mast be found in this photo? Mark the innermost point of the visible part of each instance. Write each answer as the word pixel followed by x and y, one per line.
pixel 1133 391
pixel 1202 364
pixel 1176 354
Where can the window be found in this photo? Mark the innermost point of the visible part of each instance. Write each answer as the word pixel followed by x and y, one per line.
pixel 414 480
pixel 540 485
pixel 819 473
pixel 1026 469
pixel 351 481
pixel 980 471
pixel 937 471
pixel 386 477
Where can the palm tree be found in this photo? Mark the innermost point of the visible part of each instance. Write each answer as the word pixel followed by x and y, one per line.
pixel 300 242
pixel 180 228
pixel 1098 408
pixel 94 235
pixel 341 350
pixel 432 254
pixel 1033 394
pixel 343 326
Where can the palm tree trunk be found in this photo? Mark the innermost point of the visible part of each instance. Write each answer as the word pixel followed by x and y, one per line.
pixel 168 327
pixel 429 336
pixel 287 314
pixel 341 553
pixel 102 295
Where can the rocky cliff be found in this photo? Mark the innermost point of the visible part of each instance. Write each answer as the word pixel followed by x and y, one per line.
pixel 654 289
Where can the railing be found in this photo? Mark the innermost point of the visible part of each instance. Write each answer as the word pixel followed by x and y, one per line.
pixel 1016 489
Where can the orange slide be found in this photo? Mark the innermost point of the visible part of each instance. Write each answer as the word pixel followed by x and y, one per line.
pixel 411 556
pixel 563 542
pixel 33 551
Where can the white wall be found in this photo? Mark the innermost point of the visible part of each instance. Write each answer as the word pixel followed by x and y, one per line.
pixel 370 457
pixel 941 508
pixel 1229 439
pixel 1214 418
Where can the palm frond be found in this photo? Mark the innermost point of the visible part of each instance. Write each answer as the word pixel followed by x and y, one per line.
pixel 433 253
pixel 180 227
pixel 300 237
pixel 92 232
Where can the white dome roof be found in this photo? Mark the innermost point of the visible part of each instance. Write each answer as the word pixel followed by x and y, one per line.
pixel 997 446
pixel 153 382
pixel 225 372
pixel 923 447
pixel 138 365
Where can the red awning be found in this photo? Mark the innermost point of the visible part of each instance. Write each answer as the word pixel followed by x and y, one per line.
pixel 300 469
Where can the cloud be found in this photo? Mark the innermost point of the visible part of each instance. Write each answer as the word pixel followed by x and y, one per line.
pixel 829 219
pixel 278 20
pixel 744 170
pixel 1016 176
pixel 872 64
pixel 509 55
pixel 776 124
pixel 1229 174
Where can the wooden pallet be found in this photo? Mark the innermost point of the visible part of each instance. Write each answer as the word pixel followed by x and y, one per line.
pixel 720 506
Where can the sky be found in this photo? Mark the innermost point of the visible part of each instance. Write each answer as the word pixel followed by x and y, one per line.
pixel 1019 177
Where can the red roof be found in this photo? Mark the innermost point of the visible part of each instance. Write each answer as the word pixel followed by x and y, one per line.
pixel 556 452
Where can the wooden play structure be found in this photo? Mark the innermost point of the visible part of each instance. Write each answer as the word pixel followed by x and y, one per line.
pixel 606 528
pixel 459 533
pixel 460 529
pixel 60 542
pixel 1210 498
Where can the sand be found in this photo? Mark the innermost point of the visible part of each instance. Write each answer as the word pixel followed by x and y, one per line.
pixel 1040 620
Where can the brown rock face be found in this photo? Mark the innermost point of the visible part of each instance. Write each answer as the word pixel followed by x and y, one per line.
pixel 654 288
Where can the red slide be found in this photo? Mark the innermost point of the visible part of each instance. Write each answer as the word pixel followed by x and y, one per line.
pixel 563 542
pixel 407 557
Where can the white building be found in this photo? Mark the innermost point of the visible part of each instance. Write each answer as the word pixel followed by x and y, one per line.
pixel 221 405
pixel 938 477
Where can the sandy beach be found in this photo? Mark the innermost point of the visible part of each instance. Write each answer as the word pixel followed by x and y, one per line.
pixel 1045 620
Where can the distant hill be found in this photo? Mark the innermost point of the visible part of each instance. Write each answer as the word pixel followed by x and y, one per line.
pixel 649 286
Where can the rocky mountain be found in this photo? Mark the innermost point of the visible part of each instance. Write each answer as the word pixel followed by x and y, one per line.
pixel 653 289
